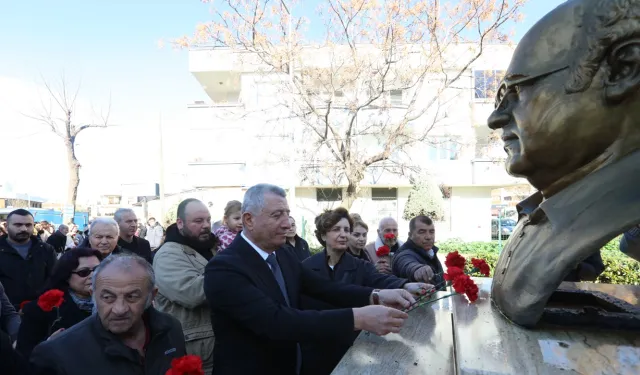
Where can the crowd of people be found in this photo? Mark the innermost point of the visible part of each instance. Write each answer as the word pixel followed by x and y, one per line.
pixel 245 296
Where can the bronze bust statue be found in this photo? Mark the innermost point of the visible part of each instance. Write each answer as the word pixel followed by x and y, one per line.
pixel 569 111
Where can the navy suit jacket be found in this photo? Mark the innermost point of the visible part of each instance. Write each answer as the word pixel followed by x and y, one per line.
pixel 256 332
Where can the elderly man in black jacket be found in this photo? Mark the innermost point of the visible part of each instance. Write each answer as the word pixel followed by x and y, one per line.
pixel 128 225
pixel 126 336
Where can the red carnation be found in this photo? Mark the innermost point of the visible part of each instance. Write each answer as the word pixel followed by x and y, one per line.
pixel 460 283
pixel 452 273
pixel 481 265
pixel 389 236
pixel 455 260
pixel 471 290
pixel 383 250
pixel 186 365
pixel 23 304
pixel 51 299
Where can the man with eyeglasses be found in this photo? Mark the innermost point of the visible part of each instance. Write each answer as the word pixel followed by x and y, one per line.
pixel 569 116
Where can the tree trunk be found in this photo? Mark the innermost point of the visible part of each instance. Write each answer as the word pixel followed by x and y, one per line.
pixel 353 188
pixel 74 175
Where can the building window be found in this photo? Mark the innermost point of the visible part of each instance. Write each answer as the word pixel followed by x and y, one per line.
pixel 396 97
pixel 384 194
pixel 443 150
pixel 328 194
pixel 114 200
pixel 486 83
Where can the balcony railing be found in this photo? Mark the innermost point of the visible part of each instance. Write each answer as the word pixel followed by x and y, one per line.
pixel 202 104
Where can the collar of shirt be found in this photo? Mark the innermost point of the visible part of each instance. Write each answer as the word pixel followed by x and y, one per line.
pixel 610 188
pixel 260 252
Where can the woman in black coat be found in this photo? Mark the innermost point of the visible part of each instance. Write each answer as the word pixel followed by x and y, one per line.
pixel 295 243
pixel 72 275
pixel 333 229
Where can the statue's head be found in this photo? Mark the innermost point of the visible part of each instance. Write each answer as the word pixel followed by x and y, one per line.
pixel 570 97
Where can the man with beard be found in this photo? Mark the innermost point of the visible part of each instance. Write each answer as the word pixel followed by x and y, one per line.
pixel 417 259
pixel 179 266
pixel 128 225
pixel 25 261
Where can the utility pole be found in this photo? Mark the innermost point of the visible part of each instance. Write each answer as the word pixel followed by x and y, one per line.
pixel 162 202
pixel 292 155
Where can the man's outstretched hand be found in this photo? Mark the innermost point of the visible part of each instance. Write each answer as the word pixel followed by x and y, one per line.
pixel 380 320
pixel 397 298
pixel 418 289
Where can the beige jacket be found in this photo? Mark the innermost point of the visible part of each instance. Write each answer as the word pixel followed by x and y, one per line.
pixel 179 273
pixel 371 248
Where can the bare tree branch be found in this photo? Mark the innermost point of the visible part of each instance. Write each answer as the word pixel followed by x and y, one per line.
pixel 62 124
pixel 343 91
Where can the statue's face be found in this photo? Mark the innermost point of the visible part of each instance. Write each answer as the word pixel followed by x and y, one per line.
pixel 547 132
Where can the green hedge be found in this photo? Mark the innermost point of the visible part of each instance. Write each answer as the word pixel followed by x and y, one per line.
pixel 620 269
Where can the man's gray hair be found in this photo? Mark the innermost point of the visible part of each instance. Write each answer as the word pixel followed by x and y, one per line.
pixel 117 216
pixel 62 227
pixel 104 220
pixel 386 220
pixel 124 261
pixel 253 201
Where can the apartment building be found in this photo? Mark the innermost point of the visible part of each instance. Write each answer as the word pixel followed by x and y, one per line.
pixel 243 135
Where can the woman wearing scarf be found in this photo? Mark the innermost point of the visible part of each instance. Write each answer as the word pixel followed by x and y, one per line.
pixel 72 275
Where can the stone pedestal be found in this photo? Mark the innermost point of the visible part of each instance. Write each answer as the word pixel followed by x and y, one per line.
pixel 425 346
pixel 454 336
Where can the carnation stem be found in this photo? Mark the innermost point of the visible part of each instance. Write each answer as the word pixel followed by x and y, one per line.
pixel 58 318
pixel 428 302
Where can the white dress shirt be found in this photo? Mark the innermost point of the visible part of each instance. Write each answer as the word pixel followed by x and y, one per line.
pixel 260 252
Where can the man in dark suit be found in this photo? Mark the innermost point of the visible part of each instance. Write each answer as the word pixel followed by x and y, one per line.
pixel 254 295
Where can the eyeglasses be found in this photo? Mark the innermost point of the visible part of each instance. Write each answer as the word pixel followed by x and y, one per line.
pixel 514 84
pixel 84 272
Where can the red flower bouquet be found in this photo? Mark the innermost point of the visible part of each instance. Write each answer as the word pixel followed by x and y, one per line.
pixel 458 279
pixel 383 251
pixel 186 365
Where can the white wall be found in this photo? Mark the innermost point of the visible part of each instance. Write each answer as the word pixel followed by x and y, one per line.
pixel 471 213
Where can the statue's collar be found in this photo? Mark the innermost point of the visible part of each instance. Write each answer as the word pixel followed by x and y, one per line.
pixel 606 191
